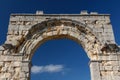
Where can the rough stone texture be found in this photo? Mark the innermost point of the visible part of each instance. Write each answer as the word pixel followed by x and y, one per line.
pixel 27 32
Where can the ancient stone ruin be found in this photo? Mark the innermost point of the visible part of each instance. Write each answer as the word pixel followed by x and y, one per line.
pixel 27 32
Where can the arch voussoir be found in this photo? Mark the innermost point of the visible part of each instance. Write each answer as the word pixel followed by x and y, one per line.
pixel 63 29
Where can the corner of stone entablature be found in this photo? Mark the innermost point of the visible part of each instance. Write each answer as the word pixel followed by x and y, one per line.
pixel 8 46
pixel 110 48
pixel 2 48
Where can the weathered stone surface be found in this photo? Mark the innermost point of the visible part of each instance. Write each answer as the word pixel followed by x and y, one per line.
pixel 10 58
pixel 25 63
pixel 27 32
pixel 25 69
pixel 8 75
pixel 1 64
pixel 116 68
pixel 16 64
pixel 95 72
pixel 22 75
pixel 4 69
pixel 102 68
pixel 110 57
pixel 108 68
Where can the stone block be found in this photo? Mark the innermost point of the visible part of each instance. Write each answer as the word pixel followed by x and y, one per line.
pixel 6 52
pixel 25 28
pixel 25 69
pixel 16 64
pixel 7 64
pixel 10 58
pixel 8 75
pixel 113 57
pixel 13 28
pixel 3 78
pixel 16 33
pixel 102 68
pixel 13 42
pixel 10 32
pixel 103 57
pixel 54 32
pixel 116 68
pixel 64 32
pixel 22 74
pixel 110 57
pixel 1 64
pixel 4 69
pixel 98 30
pixel 116 73
pixel 84 12
pixel 7 58
pixel 27 75
pixel 116 77
pixel 1 52
pixel 119 56
pixel 11 69
pixel 17 58
pixel 14 18
pixel 40 38
pixel 49 33
pixel 113 63
pixel 24 33
pixel 39 12
pixel 26 64
pixel 23 79
pixel 95 71
pixel 108 68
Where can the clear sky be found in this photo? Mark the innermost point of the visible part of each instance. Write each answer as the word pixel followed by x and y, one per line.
pixel 59 59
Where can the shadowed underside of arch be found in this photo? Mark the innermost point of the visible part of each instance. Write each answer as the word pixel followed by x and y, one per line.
pixel 61 28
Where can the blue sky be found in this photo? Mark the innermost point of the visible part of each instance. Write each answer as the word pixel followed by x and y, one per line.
pixel 59 59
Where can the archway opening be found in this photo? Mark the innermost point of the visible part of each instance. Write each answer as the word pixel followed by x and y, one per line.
pixel 61 59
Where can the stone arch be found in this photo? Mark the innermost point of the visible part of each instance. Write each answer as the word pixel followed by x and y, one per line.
pixel 27 32
pixel 61 28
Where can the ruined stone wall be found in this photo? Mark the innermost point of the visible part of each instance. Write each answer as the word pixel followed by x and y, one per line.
pixel 27 31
